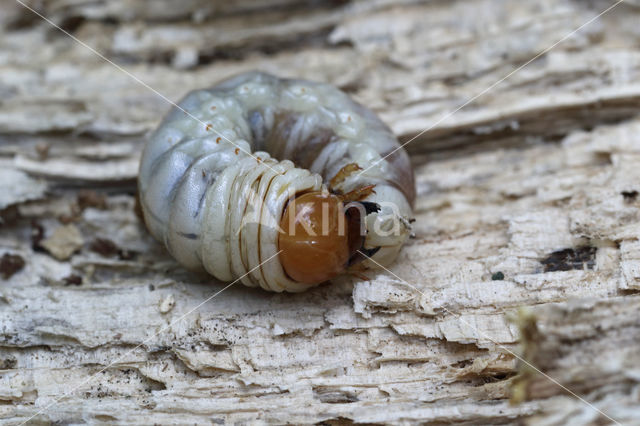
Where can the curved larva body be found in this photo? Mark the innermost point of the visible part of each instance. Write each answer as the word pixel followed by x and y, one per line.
pixel 217 207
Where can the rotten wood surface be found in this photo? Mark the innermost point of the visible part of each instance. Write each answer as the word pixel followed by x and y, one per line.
pixel 527 218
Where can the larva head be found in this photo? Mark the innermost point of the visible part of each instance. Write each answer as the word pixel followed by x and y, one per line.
pixel 318 237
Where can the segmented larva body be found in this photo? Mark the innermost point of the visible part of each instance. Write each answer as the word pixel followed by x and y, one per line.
pixel 216 193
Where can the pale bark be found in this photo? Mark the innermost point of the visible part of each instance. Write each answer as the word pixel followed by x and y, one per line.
pixel 536 182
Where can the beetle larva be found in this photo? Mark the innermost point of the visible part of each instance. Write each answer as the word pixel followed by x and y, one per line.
pixel 287 159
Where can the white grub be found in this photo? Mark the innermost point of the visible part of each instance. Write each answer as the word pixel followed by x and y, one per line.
pixel 212 191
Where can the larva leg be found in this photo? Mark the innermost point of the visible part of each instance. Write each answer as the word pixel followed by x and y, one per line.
pixel 344 173
pixel 359 194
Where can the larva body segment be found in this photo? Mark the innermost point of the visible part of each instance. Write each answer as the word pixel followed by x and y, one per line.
pixel 216 198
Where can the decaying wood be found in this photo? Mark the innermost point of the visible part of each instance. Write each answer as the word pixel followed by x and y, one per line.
pixel 527 219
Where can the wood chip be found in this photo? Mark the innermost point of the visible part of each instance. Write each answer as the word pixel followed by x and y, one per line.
pixel 64 241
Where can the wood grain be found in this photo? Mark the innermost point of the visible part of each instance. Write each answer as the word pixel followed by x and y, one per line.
pixel 527 218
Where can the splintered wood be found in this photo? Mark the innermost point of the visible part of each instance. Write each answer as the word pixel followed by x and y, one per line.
pixel 526 232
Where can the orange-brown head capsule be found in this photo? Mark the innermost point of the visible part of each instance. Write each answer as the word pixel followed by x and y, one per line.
pixel 317 238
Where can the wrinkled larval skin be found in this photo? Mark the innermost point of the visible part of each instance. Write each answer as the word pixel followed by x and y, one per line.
pixel 223 178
